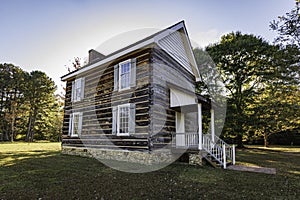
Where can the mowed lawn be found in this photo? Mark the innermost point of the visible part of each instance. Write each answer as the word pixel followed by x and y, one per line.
pixel 39 171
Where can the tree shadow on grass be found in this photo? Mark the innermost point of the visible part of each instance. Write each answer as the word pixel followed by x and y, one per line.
pixel 283 162
pixel 51 175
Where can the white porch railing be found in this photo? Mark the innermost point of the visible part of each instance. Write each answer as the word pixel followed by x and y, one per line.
pixel 186 140
pixel 217 148
pixel 229 150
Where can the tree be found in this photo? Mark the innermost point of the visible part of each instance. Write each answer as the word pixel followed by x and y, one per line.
pixel 288 27
pixel 41 100
pixel 76 64
pixel 28 105
pixel 12 99
pixel 277 107
pixel 241 60
pixel 212 87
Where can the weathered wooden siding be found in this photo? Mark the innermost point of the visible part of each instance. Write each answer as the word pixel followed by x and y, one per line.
pixel 166 72
pixel 97 106
pixel 155 120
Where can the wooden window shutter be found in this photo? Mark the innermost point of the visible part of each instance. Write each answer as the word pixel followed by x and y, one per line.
pixel 116 77
pixel 70 124
pixel 131 125
pixel 114 119
pixel 82 88
pixel 80 123
pixel 133 73
pixel 73 91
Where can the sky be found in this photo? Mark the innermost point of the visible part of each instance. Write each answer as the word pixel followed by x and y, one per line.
pixel 47 35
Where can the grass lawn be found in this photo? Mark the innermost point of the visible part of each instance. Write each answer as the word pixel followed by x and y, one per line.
pixel 39 171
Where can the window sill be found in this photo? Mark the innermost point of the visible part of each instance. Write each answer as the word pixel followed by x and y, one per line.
pixel 122 134
pixel 123 89
pixel 74 136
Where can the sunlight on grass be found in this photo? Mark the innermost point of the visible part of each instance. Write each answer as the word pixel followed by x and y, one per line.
pixel 247 164
pixel 271 161
pixel 39 170
pixel 295 172
pixel 22 146
pixel 12 153
pixel 290 149
pixel 10 160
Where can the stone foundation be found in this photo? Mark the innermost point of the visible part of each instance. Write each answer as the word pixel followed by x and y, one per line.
pixel 195 159
pixel 146 158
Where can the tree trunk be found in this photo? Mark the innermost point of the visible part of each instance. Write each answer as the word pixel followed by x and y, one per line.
pixel 12 131
pixel 1 129
pixel 266 143
pixel 240 141
pixel 13 117
pixel 31 124
pixel 239 124
pixel 29 128
pixel 6 135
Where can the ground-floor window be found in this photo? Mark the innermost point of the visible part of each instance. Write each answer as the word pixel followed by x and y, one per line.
pixel 75 125
pixel 123 119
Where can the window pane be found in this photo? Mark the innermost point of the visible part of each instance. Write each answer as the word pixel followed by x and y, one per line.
pixel 75 124
pixel 77 89
pixel 125 75
pixel 124 118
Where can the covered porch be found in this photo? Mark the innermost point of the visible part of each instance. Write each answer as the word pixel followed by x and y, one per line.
pixel 193 139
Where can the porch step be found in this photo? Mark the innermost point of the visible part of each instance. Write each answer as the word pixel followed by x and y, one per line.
pixel 211 162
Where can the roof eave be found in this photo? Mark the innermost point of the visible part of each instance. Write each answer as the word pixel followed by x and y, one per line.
pixel 110 58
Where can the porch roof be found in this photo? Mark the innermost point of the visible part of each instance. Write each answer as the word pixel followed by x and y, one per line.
pixel 181 97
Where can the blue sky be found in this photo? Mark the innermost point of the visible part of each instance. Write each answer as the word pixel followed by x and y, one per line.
pixel 47 35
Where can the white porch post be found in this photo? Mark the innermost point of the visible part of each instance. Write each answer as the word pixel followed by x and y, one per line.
pixel 212 118
pixel 200 125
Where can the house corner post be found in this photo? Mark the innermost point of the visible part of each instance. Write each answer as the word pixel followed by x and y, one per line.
pixel 200 126
pixel 233 154
pixel 224 156
pixel 212 118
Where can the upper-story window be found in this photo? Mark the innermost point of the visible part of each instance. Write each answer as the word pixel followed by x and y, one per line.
pixel 78 89
pixel 125 75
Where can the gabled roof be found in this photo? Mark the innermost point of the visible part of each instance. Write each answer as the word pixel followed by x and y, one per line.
pixel 173 40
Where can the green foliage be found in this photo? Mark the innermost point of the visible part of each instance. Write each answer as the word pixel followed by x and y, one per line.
pixel 288 27
pixel 277 107
pixel 241 60
pixel 12 101
pixel 261 81
pixel 211 86
pixel 28 105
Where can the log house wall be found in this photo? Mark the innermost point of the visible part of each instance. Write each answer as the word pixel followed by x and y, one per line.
pixel 166 72
pixel 97 106
pixel 155 120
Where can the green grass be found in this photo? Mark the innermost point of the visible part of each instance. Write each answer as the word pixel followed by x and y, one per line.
pixel 291 149
pixel 38 170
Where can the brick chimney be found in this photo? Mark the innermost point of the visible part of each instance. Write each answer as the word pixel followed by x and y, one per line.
pixel 95 56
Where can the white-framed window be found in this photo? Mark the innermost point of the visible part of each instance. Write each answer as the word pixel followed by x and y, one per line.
pixel 123 123
pixel 123 119
pixel 75 124
pixel 125 75
pixel 78 89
